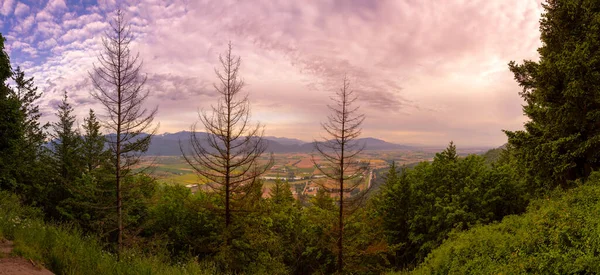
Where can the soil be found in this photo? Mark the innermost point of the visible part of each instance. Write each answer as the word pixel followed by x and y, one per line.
pixel 10 265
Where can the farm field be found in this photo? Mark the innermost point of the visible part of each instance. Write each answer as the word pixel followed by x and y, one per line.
pixel 295 167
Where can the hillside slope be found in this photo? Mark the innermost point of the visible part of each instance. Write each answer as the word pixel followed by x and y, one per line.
pixel 557 235
pixel 63 250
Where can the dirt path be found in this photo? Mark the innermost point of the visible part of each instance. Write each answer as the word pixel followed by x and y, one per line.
pixel 17 266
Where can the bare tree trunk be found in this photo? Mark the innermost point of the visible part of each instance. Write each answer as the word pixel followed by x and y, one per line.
pixel 228 158
pixel 118 85
pixel 339 150
pixel 119 199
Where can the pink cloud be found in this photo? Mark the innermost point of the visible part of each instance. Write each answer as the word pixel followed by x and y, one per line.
pixel 426 71
pixel 54 6
pixel 7 7
pixel 25 24
pixel 21 9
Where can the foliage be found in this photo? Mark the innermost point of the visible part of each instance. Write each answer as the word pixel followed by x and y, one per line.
pixel 66 145
pixel 23 162
pixel 65 250
pixel 493 155
pixel 420 207
pixel 561 141
pixel 92 145
pixel 557 235
pixel 11 125
pixel 183 223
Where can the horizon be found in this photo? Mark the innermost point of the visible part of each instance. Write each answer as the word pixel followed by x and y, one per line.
pixel 434 146
pixel 425 73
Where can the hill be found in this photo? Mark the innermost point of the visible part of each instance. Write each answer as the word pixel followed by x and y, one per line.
pixel 557 235
pixel 168 144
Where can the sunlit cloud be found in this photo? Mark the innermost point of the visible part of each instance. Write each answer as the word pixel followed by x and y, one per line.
pixel 425 71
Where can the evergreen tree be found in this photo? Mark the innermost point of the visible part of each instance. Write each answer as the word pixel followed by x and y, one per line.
pixel 393 205
pixel 281 193
pixel 32 161
pixel 323 200
pixel 419 207
pixel 92 147
pixel 10 124
pixel 66 144
pixel 23 162
pixel 27 93
pixel 561 141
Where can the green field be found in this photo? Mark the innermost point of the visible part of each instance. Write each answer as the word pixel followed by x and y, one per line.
pixel 175 170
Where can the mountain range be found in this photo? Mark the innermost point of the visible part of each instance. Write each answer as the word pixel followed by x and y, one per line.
pixel 167 144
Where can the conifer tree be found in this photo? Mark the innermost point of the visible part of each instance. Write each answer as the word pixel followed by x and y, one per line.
pixel 393 205
pixel 228 157
pixel 22 168
pixel 66 144
pixel 11 130
pixel 281 193
pixel 339 150
pixel 323 200
pixel 561 140
pixel 93 143
pixel 27 93
pixel 119 86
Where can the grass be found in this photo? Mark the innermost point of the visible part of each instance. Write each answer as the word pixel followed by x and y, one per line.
pixel 64 250
pixel 184 179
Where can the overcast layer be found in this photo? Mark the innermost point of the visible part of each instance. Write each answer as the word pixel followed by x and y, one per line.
pixel 426 72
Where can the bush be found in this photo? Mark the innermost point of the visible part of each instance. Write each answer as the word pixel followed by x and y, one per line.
pixel 64 250
pixel 557 235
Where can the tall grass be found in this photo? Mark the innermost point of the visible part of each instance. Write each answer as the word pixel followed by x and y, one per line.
pixel 64 250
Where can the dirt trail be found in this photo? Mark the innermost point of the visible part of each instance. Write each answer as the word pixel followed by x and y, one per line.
pixel 17 266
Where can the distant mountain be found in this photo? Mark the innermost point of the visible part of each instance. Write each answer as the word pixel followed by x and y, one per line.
pixel 378 144
pixel 286 141
pixel 168 144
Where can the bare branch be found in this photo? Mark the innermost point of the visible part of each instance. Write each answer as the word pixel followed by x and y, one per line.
pixel 344 173
pixel 228 156
pixel 119 86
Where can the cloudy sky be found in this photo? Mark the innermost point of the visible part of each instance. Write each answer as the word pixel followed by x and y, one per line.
pixel 426 71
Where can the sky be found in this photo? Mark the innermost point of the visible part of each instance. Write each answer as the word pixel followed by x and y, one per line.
pixel 425 71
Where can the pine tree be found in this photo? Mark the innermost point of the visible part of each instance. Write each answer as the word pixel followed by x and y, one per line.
pixel 228 157
pixel 281 193
pixel 561 141
pixel 92 143
pixel 23 162
pixel 323 200
pixel 66 144
pixel 339 151
pixel 27 94
pixel 119 86
pixel 393 205
pixel 11 130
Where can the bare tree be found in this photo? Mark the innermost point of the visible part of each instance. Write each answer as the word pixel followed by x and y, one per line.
pixel 119 86
pixel 339 152
pixel 228 156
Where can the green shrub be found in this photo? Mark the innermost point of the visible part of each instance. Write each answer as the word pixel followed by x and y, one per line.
pixel 557 235
pixel 64 250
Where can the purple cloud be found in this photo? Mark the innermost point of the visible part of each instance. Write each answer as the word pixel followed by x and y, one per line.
pixel 425 71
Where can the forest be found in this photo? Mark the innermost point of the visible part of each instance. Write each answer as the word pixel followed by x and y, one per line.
pixel 78 200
